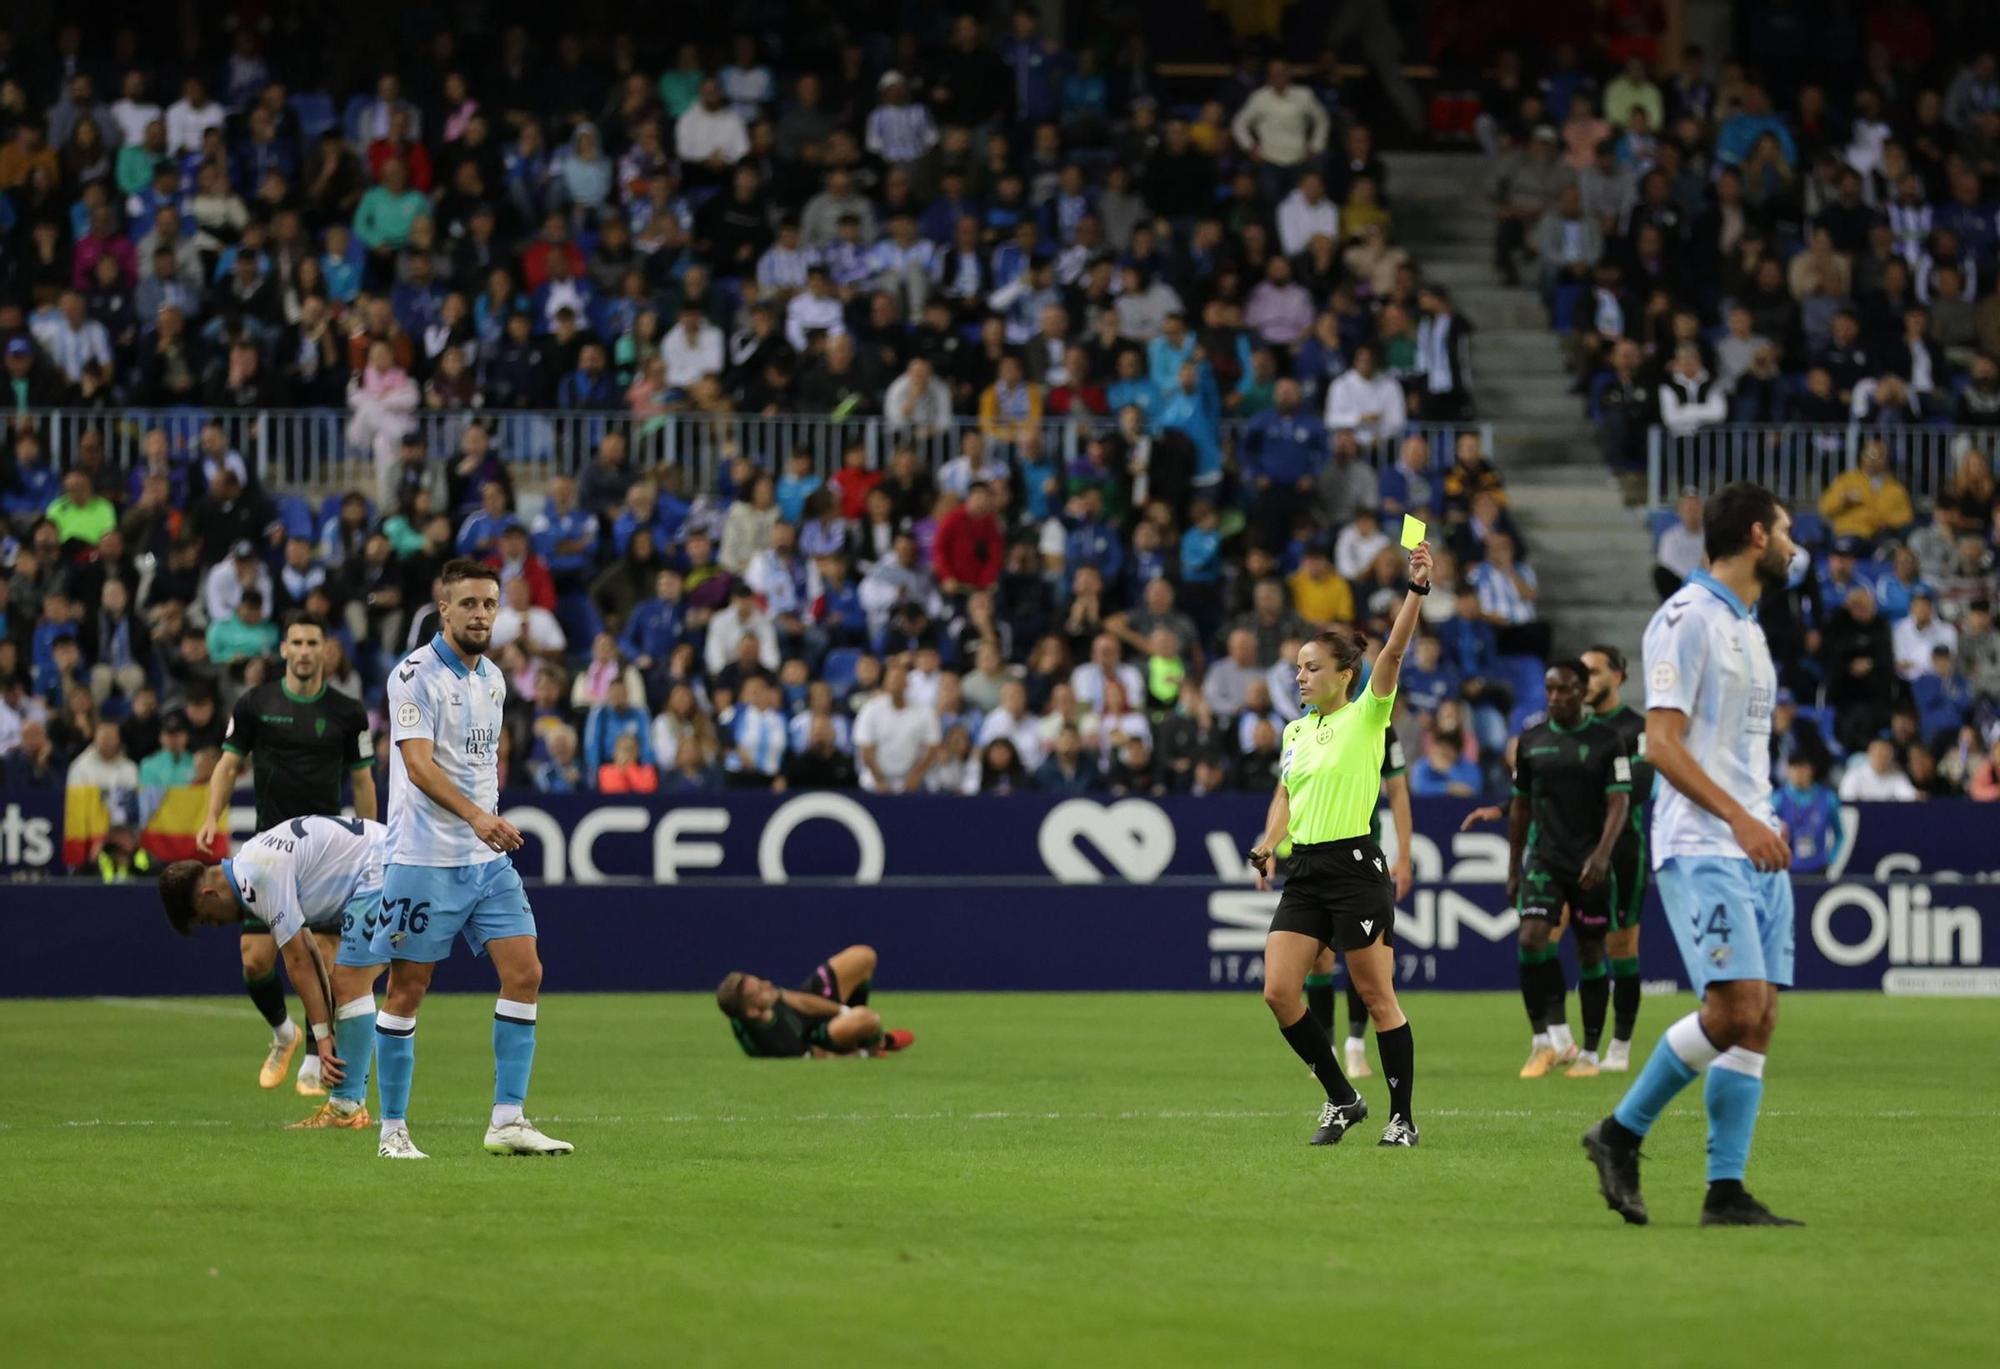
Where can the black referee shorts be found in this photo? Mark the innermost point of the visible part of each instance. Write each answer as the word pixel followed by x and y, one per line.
pixel 1340 893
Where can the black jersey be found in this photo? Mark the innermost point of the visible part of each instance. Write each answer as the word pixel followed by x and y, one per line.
pixel 786 1036
pixel 302 748
pixel 1566 773
pixel 1630 725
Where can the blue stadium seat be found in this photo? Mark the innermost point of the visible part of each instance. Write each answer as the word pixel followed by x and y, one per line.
pixel 297 516
pixel 1658 521
pixel 315 113
pixel 1809 530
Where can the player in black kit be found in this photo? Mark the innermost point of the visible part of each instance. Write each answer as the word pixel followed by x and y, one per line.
pixel 1629 857
pixel 1572 790
pixel 828 1015
pixel 306 741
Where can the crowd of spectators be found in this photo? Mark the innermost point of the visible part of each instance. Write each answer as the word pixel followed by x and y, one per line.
pixel 1718 245
pixel 969 241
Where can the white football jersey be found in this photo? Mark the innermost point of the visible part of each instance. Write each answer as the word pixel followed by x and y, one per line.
pixel 434 696
pixel 1707 657
pixel 307 869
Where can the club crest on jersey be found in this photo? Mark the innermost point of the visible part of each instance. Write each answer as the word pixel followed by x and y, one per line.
pixel 319 727
pixel 494 695
pixel 1718 956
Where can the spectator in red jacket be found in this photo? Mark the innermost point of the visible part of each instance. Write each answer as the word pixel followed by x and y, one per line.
pixel 517 559
pixel 970 545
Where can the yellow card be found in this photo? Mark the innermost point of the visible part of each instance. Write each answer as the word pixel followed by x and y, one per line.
pixel 1413 532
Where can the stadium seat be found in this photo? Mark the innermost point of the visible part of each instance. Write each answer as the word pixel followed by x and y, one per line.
pixel 1658 521
pixel 297 516
pixel 315 113
pixel 1809 530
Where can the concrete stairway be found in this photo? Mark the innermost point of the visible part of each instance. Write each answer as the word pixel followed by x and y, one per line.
pixel 1590 553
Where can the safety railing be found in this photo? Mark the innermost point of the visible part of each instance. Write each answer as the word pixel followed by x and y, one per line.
pixel 1798 461
pixel 321 450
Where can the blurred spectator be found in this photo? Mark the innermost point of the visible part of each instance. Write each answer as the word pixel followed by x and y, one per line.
pixel 1444 772
pixel 1811 814
pixel 560 772
pixel 1917 635
pixel 1875 777
pixel 1680 550
pixel 1867 501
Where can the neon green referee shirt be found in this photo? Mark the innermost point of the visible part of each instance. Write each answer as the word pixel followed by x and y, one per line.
pixel 1331 768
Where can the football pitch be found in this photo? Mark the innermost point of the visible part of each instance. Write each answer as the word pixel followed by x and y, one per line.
pixel 1043 1180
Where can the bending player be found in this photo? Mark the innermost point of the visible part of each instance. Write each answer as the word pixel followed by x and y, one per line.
pixel 1720 855
pixel 291 878
pixel 1628 858
pixel 1319 984
pixel 828 1016
pixel 448 872
pixel 304 740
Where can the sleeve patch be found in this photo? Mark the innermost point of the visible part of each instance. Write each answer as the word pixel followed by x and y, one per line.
pixel 1664 677
pixel 364 743
pixel 407 715
pixel 1621 771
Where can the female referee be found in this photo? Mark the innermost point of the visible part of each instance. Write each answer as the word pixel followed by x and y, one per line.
pixel 1338 889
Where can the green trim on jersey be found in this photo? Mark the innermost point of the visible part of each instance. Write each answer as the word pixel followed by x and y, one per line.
pixel 1332 769
pixel 285 684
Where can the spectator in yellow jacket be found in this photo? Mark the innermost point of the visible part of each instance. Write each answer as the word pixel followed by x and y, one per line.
pixel 1320 594
pixel 1868 501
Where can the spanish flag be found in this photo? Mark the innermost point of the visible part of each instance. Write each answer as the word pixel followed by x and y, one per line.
pixel 169 834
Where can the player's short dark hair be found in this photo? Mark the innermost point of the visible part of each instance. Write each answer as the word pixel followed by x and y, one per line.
pixel 299 617
pixel 465 568
pixel 1613 657
pixel 1573 666
pixel 1731 512
pixel 729 994
pixel 177 885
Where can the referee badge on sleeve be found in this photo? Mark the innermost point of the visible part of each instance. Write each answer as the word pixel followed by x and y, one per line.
pixel 407 715
pixel 1285 761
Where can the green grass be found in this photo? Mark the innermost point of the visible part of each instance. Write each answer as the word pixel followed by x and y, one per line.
pixel 1076 1180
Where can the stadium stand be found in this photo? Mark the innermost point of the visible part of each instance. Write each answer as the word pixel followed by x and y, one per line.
pixel 1042 391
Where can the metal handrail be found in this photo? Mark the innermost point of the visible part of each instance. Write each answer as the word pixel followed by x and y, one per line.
pixel 1797 461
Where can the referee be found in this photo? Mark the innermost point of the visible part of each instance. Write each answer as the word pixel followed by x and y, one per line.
pixel 1338 890
pixel 305 738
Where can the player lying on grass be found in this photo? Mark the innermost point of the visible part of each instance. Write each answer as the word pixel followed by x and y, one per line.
pixel 829 1015
pixel 292 877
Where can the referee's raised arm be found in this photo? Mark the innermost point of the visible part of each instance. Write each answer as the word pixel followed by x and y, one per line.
pixel 1389 660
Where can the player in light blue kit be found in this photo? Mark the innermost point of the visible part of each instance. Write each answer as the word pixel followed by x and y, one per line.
pixel 291 877
pixel 1720 855
pixel 448 873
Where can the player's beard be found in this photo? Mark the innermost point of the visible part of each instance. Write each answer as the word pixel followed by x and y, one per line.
pixel 304 680
pixel 1774 570
pixel 473 641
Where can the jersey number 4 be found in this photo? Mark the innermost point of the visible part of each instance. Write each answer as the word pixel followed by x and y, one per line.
pixel 1717 926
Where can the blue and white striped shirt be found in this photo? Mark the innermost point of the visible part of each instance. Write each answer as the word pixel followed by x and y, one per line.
pixel 71 349
pixel 900 133
pixel 783 268
pixel 1498 596
pixel 760 732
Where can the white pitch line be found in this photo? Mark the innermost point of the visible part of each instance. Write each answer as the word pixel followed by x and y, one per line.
pixel 735 1119
pixel 170 1005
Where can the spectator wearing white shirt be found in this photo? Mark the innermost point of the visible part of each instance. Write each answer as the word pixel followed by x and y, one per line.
pixel 1365 401
pixel 72 339
pixel 1013 723
pixel 815 309
pixel 693 349
pixel 1920 632
pixel 190 117
pixel 743 618
pixel 1506 591
pixel 1690 398
pixel 710 135
pixel 1876 778
pixel 104 764
pixel 223 589
pixel 1306 214
pixel 917 404
pixel 898 132
pixel 782 269
pixel 1104 665
pixel 895 741
pixel 132 111
pixel 975 464
pixel 1226 686
pixel 1680 552
pixel 1283 124
pixel 519 620
pixel 1359 543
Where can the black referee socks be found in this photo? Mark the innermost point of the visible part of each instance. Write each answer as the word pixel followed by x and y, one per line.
pixel 1309 1041
pixel 1399 1067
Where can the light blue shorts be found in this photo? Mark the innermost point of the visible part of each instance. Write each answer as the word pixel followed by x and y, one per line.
pixel 1730 919
pixel 358 921
pixel 425 906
